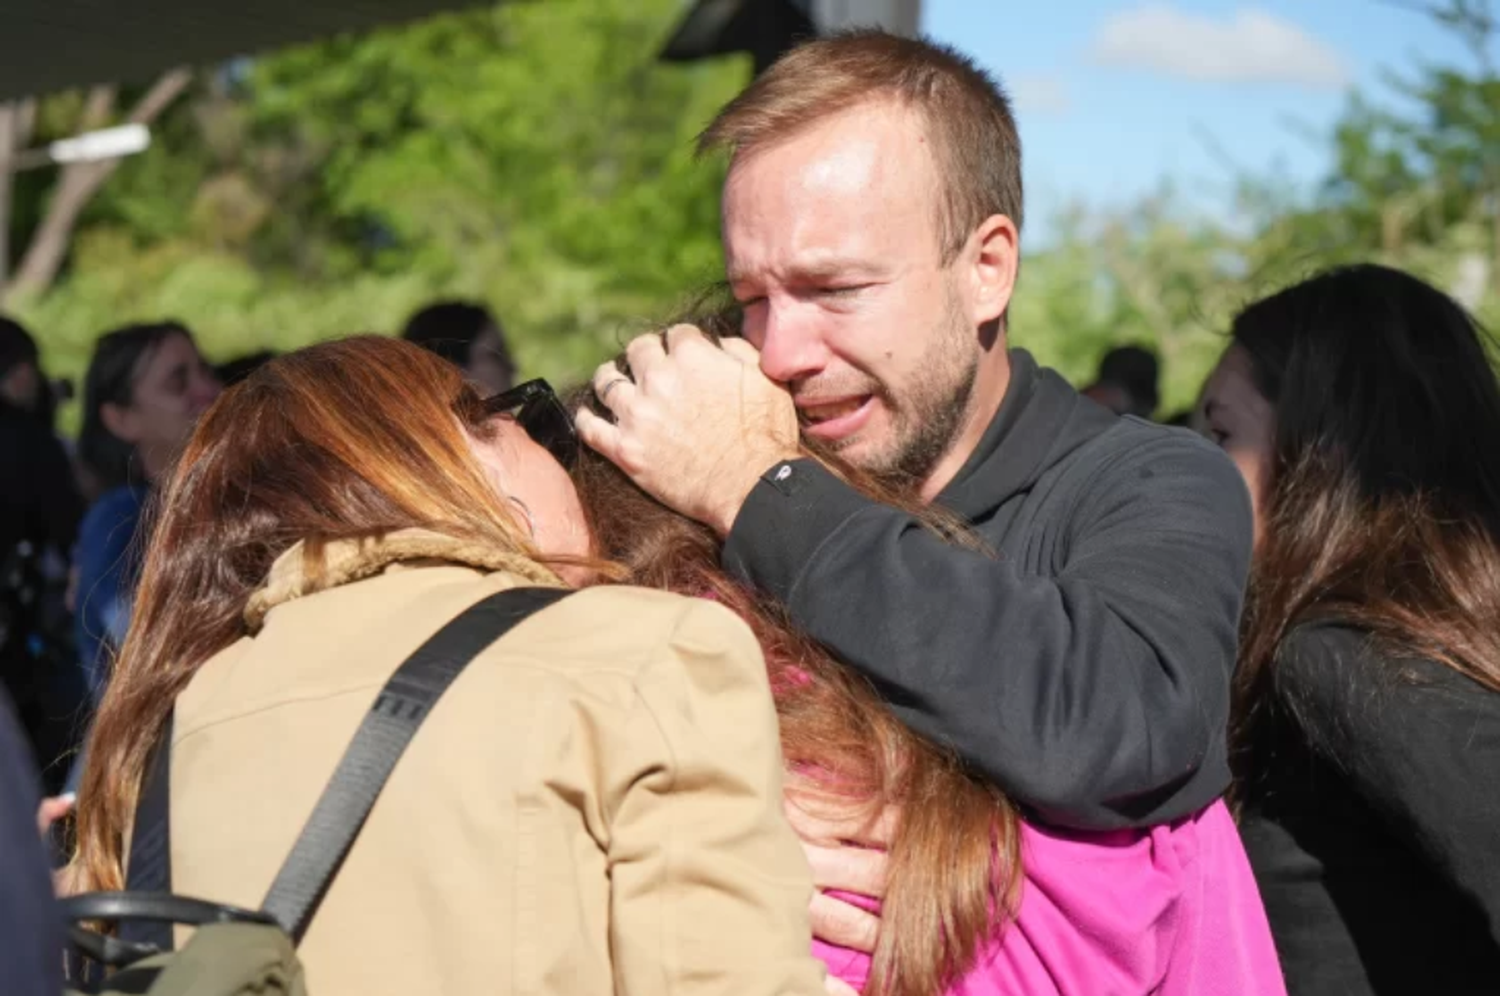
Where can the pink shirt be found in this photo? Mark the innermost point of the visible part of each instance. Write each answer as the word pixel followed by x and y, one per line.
pixel 1172 910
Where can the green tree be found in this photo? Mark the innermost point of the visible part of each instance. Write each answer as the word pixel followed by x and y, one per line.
pixel 537 157
pixel 531 155
pixel 1415 183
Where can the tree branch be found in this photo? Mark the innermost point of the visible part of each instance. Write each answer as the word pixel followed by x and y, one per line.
pixel 25 121
pixel 9 130
pixel 97 108
pixel 79 182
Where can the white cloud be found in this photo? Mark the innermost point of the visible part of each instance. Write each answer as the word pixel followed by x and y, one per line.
pixel 1251 46
pixel 1039 94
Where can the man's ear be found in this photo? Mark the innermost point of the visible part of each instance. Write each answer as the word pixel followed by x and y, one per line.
pixel 994 258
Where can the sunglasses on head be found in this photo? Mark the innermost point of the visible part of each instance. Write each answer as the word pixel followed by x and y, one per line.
pixel 538 410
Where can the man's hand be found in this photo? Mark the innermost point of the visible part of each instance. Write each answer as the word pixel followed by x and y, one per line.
pixel 847 855
pixel 695 424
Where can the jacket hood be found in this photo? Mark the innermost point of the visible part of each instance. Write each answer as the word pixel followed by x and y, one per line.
pixel 295 574
pixel 1040 421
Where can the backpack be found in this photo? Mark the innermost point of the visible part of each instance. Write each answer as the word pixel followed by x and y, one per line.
pixel 239 952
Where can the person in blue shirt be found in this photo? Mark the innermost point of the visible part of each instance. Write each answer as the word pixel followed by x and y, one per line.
pixel 145 388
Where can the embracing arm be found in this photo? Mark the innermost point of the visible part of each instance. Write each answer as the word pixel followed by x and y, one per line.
pixel 1091 697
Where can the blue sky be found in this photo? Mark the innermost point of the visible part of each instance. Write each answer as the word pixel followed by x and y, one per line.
pixel 1114 96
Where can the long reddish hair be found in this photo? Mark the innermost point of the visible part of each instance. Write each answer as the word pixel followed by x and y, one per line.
pixel 955 858
pixel 338 441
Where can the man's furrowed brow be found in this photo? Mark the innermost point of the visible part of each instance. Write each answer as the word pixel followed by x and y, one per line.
pixel 814 269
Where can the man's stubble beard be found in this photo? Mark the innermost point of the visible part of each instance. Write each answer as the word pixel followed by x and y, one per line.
pixel 935 408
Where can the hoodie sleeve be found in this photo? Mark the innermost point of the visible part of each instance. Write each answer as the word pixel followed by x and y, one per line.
pixel 1092 696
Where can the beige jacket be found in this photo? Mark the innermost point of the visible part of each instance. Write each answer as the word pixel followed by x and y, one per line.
pixel 594 806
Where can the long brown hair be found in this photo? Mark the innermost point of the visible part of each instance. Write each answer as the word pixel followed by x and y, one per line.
pixel 1383 506
pixel 955 858
pixel 343 440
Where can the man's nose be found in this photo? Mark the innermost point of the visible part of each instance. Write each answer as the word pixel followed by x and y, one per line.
pixel 791 347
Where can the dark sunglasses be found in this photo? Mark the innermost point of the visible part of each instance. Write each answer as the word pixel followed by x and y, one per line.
pixel 539 411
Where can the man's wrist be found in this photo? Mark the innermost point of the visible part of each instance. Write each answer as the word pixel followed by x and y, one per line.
pixel 723 519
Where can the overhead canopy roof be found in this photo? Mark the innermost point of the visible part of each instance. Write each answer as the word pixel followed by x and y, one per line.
pixel 48 45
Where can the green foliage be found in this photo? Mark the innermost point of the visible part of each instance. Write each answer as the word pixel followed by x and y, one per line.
pixel 533 156
pixel 1149 276
pixel 1417 189
pixel 536 156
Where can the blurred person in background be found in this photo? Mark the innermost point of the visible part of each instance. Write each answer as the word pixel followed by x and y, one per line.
pixel 31 930
pixel 145 389
pixel 596 809
pixel 23 386
pixel 1127 382
pixel 40 510
pixel 1362 408
pixel 470 338
pixel 236 369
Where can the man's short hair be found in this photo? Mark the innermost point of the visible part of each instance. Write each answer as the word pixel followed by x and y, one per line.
pixel 968 118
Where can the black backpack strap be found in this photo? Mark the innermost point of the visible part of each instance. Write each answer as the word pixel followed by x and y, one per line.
pixel 150 865
pixel 378 744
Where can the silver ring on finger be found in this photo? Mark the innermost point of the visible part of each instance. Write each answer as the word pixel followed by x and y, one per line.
pixel 604 394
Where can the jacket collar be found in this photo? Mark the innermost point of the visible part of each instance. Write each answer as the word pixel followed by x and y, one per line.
pixel 293 575
pixel 1040 421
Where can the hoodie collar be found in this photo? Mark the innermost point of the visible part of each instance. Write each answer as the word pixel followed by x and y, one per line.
pixel 1040 420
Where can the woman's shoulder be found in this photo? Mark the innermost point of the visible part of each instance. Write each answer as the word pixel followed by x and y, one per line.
pixel 1335 658
pixel 691 663
pixel 651 608
pixel 1352 694
pixel 115 508
pixel 1323 639
pixel 637 627
pixel 1126 911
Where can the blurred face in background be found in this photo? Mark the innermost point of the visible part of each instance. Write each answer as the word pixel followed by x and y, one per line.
pixel 1236 416
pixel 21 386
pixel 172 387
pixel 488 365
pixel 1116 399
